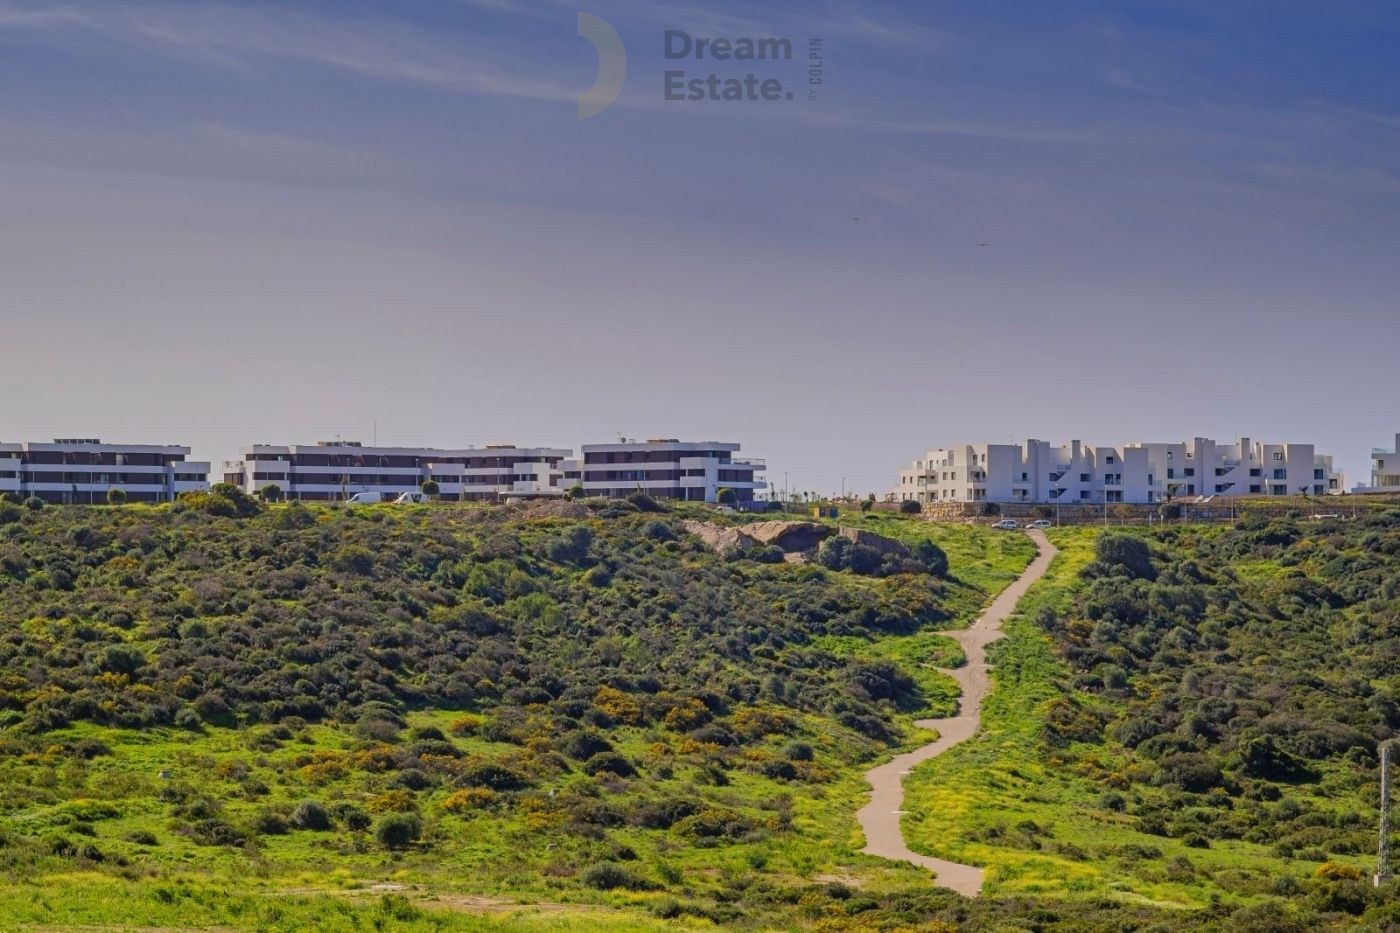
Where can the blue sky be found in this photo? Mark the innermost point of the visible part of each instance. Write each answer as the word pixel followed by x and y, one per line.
pixel 283 221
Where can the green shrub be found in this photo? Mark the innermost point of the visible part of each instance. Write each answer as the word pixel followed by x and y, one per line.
pixel 352 816
pixel 311 815
pixel 609 763
pixel 398 830
pixel 1126 553
pixel 608 876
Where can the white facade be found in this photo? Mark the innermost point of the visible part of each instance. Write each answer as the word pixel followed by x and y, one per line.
pixel 82 471
pixel 694 471
pixel 1133 473
pixel 1385 469
pixel 334 470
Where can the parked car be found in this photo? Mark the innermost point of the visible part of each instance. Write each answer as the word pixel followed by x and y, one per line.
pixel 412 498
pixel 1041 523
pixel 1006 524
pixel 365 498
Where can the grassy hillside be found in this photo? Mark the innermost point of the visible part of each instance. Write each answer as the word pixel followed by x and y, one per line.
pixel 213 713
pixel 1189 724
pixel 458 718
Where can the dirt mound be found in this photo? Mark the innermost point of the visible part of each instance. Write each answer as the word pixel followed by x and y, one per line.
pixel 719 538
pixel 790 536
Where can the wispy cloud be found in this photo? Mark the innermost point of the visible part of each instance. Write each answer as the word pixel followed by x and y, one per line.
pixel 1341 180
pixel 14 16
pixel 229 36
pixel 1006 131
pixel 857 26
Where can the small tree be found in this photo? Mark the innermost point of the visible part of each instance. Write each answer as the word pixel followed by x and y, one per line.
pixel 430 488
pixel 576 491
pixel 910 507
pixel 271 493
pixel 34 503
pixel 398 830
pixel 116 496
pixel 726 496
pixel 310 814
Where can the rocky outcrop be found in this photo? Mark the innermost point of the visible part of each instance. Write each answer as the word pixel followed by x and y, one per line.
pixel 872 540
pixel 720 538
pixel 790 536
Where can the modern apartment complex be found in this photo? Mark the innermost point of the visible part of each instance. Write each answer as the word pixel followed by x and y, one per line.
pixel 333 470
pixel 1385 469
pixel 1038 472
pixel 83 470
pixel 693 471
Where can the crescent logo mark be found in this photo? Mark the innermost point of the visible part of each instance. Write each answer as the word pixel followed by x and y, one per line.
pixel 612 65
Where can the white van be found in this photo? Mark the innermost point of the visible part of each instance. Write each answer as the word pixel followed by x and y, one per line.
pixel 412 498
pixel 365 498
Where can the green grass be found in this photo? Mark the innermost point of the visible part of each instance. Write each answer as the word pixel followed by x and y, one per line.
pixel 93 901
pixel 121 805
pixel 1036 820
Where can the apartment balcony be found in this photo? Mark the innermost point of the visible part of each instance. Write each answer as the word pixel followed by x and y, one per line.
pixel 100 488
pixel 144 470
pixel 351 471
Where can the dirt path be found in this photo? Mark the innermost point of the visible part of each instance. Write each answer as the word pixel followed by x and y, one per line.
pixel 879 819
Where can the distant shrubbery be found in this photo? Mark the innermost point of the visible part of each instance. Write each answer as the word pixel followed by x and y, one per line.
pixel 840 553
pixel 1223 684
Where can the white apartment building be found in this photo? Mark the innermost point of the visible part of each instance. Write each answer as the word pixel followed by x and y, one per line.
pixel 1385 469
pixel 333 470
pixel 1038 472
pixel 693 471
pixel 83 470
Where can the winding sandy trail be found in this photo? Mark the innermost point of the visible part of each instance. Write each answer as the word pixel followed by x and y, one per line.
pixel 879 819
